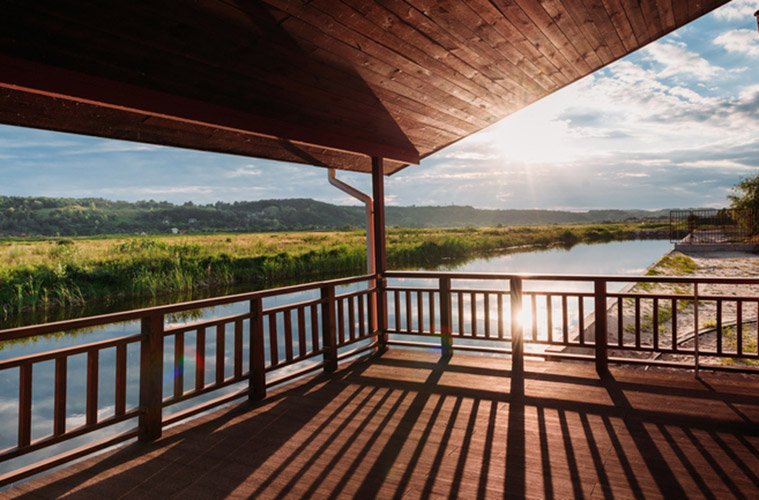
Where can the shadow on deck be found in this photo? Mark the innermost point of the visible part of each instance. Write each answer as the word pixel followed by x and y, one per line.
pixel 408 423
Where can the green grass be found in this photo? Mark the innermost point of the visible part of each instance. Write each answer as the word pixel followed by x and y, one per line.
pixel 45 273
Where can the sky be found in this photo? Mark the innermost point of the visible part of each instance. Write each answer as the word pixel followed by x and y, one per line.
pixel 673 125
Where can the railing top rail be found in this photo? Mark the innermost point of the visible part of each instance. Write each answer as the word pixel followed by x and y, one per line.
pixel 572 277
pixel 119 317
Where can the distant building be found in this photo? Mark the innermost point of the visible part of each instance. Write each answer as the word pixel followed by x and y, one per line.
pixel 174 230
pixel 192 220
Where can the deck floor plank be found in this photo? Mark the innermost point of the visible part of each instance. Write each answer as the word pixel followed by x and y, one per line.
pixel 409 424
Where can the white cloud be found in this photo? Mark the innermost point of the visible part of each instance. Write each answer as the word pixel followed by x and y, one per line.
pixel 676 59
pixel 245 171
pixel 737 10
pixel 717 164
pixel 741 41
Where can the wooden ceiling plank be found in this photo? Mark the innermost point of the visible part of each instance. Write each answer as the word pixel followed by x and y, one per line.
pixel 572 32
pixel 680 11
pixel 666 14
pixel 604 26
pixel 591 22
pixel 377 13
pixel 382 74
pixel 551 30
pixel 530 31
pixel 637 21
pixel 332 28
pixel 366 23
pixel 651 15
pixel 621 24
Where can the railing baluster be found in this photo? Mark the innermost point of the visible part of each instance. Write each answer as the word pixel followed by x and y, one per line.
pixel 517 342
pixel 59 411
pixel 340 321
pixel 178 364
pixel 361 315
pixel 397 304
pixel 581 320
pixel 486 306
pixel 620 322
pixel 460 300
pixel 473 304
pixel 352 317
pixel 656 324
pixel 314 328
pixel 739 327
pixel 409 322
pixel 302 331
pixel 273 346
pixel 549 317
pixel 220 351
pixel 151 377
pixel 200 359
pixel 329 340
pixel 719 326
pixel 446 319
pixel 257 357
pixel 637 322
pixel 432 311
pixel 500 315
pixel 93 359
pixel 287 314
pixel 371 304
pixel 533 301
pixel 420 310
pixel 25 405
pixel 674 324
pixel 238 348
pixel 121 379
pixel 564 319
pixel 602 333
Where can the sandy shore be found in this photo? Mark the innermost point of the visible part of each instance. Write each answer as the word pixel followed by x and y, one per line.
pixel 681 315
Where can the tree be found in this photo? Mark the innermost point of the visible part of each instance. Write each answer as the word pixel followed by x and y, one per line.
pixel 746 198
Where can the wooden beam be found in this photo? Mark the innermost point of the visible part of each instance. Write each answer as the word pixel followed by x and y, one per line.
pixel 41 79
pixel 380 256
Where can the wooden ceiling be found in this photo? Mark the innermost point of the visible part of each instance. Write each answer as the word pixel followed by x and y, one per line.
pixel 321 82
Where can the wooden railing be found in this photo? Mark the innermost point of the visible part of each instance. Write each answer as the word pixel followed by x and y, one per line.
pixel 557 316
pixel 284 342
pixel 242 355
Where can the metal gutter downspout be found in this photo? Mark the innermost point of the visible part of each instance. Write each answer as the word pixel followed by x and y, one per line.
pixel 332 175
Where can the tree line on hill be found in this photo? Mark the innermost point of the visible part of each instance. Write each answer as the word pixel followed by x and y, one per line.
pixel 42 216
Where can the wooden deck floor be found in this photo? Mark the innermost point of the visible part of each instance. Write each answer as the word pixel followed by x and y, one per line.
pixel 408 424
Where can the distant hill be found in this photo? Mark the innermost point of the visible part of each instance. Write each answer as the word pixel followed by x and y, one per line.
pixel 37 216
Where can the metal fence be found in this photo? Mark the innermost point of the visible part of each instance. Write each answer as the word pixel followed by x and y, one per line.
pixel 711 227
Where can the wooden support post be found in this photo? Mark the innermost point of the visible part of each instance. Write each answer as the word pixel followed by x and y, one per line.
pixel 446 318
pixel 151 377
pixel 257 382
pixel 517 334
pixel 329 331
pixel 696 333
pixel 380 256
pixel 602 333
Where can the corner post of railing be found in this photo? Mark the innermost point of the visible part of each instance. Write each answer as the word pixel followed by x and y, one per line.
pixel 151 377
pixel 329 333
pixel 446 319
pixel 257 382
pixel 381 286
pixel 602 331
pixel 517 338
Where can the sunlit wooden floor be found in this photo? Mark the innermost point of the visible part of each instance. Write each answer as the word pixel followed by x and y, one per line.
pixel 408 424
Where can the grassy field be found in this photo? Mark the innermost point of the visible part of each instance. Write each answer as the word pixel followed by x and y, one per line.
pixel 55 272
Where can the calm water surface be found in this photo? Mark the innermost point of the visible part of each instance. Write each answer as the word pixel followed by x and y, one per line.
pixel 625 258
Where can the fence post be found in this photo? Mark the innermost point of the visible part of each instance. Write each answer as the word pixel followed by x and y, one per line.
pixel 329 334
pixel 517 340
pixel 151 377
pixel 446 318
pixel 602 331
pixel 257 382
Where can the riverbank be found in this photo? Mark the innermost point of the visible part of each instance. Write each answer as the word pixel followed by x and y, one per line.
pixel 57 273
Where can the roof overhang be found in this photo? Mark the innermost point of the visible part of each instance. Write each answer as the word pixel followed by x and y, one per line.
pixel 323 82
